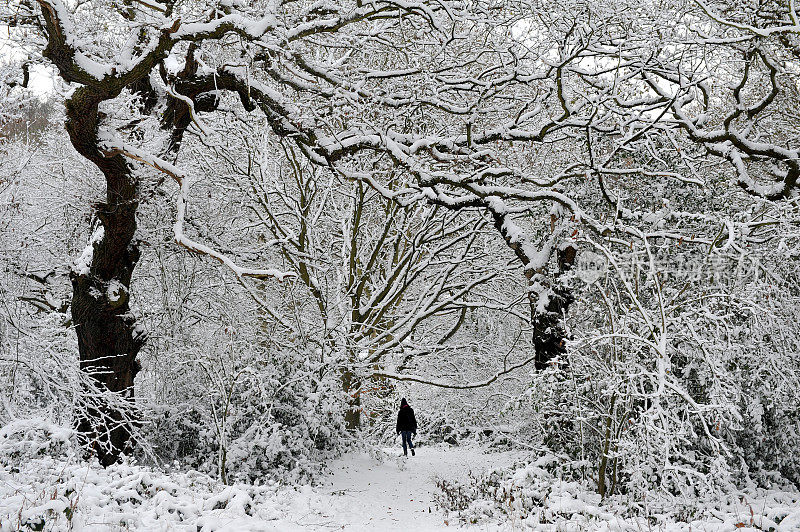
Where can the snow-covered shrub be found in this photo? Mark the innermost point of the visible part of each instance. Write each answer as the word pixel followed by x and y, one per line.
pixel 248 413
pixel 22 440
pixel 285 422
pixel 64 493
pixel 671 390
pixel 762 357
pixel 541 495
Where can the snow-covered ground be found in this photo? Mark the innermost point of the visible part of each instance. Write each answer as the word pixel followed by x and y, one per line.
pixel 41 488
pixel 363 491
pixel 390 492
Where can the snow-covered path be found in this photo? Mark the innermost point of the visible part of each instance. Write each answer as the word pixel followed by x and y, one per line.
pixel 390 494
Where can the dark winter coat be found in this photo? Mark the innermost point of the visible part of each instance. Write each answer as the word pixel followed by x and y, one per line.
pixel 406 420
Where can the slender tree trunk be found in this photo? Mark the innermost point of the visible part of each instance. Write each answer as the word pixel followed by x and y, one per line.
pixel 352 387
pixel 108 338
pixel 602 484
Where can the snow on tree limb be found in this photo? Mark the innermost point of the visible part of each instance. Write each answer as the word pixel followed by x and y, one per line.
pixel 115 146
pixel 456 386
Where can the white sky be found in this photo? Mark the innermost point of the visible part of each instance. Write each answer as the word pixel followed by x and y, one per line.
pixel 41 81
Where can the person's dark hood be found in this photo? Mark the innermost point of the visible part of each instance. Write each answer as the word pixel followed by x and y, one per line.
pixel 403 403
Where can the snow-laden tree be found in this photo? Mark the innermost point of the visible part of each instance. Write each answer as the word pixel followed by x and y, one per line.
pixel 384 284
pixel 43 211
pixel 149 66
pixel 555 121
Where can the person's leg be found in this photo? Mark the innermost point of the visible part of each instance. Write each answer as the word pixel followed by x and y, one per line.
pixel 404 436
pixel 411 445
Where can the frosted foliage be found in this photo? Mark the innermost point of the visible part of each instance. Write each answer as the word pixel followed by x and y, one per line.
pixel 234 233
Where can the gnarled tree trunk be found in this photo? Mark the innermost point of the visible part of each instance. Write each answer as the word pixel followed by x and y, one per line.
pixel 549 336
pixel 108 338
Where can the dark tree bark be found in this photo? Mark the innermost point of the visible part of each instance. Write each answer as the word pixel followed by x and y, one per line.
pixel 108 338
pixel 352 387
pixel 549 336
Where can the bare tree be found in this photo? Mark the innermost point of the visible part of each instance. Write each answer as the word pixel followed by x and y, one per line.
pixel 385 283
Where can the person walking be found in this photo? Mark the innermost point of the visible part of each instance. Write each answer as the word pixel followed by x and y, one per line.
pixel 406 425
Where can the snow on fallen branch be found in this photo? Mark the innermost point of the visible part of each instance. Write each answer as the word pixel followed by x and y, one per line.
pixel 114 146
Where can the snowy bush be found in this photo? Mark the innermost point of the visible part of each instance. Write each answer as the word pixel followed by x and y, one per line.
pixel 22 440
pixel 246 414
pixel 666 389
pixel 284 423
pixel 536 495
pixel 52 493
